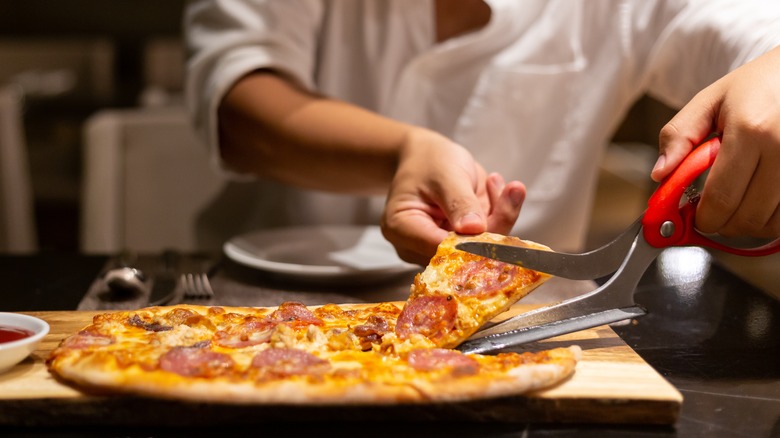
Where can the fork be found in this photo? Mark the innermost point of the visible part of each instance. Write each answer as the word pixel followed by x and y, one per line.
pixel 196 285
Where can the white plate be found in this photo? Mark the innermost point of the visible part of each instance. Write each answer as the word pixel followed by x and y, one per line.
pixel 14 352
pixel 322 253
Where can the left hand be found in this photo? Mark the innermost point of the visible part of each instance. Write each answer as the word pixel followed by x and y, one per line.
pixel 439 187
pixel 741 196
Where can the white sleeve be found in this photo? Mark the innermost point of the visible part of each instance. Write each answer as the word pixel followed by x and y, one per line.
pixel 698 41
pixel 227 39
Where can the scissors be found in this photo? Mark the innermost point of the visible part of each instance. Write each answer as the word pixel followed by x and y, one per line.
pixel 668 221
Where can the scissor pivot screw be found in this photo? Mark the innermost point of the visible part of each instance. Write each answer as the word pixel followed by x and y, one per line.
pixel 667 229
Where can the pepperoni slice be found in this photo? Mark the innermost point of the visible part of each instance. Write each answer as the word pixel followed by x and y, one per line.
pixel 374 325
pixel 195 362
pixel 483 277
pixel 246 334
pixel 86 339
pixel 180 316
pixel 294 312
pixel 371 331
pixel 136 321
pixel 430 316
pixel 289 362
pixel 255 331
pixel 439 358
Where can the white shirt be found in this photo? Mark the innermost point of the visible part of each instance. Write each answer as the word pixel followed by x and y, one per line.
pixel 535 94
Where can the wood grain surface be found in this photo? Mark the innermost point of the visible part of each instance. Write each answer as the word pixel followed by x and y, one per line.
pixel 612 384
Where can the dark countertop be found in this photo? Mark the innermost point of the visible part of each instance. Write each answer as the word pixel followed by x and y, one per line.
pixel 715 337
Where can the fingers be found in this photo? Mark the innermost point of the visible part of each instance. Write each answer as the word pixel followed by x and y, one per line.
pixel 725 186
pixel 435 190
pixel 412 222
pixel 689 127
pixel 497 214
pixel 416 224
pixel 686 130
pixel 464 212
pixel 414 235
pixel 416 228
pixel 438 188
pixel 506 199
pixel 756 213
pixel 740 195
pixel 461 194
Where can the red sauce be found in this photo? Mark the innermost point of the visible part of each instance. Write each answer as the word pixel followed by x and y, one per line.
pixel 9 334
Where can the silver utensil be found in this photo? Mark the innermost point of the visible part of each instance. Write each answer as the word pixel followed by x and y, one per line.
pixel 125 280
pixel 197 285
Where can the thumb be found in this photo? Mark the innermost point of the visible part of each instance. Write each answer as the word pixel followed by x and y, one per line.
pixel 462 207
pixel 692 124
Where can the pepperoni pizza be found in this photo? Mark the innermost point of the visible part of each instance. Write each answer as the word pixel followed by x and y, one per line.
pixel 331 354
pixel 458 291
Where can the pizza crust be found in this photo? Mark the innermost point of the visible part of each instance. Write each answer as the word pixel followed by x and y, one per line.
pixel 516 381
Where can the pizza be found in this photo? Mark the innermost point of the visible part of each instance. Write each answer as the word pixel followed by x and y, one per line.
pixel 383 353
pixel 458 291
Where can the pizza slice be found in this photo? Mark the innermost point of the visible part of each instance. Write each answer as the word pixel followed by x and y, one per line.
pixel 458 292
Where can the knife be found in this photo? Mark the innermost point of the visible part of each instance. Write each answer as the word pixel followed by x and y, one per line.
pixel 165 281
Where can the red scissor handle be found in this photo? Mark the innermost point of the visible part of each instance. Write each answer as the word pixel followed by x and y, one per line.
pixel 666 223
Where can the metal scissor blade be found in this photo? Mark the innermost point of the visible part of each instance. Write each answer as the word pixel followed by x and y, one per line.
pixel 548 330
pixel 613 301
pixel 587 266
pixel 601 301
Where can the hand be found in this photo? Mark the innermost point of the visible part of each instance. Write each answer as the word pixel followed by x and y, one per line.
pixel 741 196
pixel 439 187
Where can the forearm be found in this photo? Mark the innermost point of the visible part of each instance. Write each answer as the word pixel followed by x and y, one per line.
pixel 273 129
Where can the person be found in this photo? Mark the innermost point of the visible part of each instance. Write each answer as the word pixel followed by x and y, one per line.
pixel 455 114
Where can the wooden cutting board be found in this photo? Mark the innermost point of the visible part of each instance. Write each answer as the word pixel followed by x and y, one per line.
pixel 612 384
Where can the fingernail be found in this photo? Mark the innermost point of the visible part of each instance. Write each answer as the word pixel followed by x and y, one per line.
pixel 498 180
pixel 660 163
pixel 516 197
pixel 470 218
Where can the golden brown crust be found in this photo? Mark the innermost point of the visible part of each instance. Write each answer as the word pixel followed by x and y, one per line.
pixel 420 389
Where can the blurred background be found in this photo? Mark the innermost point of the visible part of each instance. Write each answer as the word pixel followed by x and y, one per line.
pixel 63 63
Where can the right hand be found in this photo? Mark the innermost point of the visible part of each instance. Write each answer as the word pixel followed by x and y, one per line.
pixel 438 187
